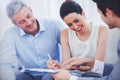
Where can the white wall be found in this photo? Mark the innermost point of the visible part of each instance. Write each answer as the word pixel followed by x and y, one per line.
pixel 4 21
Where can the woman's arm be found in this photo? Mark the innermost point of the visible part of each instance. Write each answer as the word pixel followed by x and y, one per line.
pixel 102 43
pixel 64 40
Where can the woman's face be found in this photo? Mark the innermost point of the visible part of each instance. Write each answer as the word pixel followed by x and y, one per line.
pixel 75 22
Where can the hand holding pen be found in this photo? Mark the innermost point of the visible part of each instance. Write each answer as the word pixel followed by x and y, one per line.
pixel 52 64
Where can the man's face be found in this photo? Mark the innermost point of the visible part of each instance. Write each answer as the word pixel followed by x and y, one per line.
pixel 108 19
pixel 26 21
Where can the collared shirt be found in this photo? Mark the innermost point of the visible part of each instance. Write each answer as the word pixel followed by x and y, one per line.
pixel 98 67
pixel 32 51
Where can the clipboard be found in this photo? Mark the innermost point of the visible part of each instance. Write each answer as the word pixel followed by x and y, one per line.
pixel 50 71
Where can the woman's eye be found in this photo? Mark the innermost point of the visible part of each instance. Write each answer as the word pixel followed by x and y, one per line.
pixel 69 25
pixel 76 20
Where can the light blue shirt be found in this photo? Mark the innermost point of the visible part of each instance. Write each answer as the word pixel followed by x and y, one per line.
pixel 32 51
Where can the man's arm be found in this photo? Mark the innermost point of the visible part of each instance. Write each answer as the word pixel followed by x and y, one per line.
pixel 7 57
pixel 6 72
pixel 65 75
pixel 112 74
pixel 107 69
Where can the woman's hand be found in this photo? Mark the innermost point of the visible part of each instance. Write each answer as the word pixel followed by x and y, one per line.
pixel 52 64
pixel 71 64
pixel 79 63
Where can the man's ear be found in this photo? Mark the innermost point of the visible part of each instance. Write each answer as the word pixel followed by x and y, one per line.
pixel 109 12
pixel 30 9
pixel 14 22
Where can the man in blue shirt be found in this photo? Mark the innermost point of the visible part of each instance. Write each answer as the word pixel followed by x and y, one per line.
pixel 30 40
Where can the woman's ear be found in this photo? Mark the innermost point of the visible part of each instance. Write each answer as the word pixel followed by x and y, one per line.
pixel 83 13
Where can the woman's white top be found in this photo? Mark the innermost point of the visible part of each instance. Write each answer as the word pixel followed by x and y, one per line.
pixel 85 48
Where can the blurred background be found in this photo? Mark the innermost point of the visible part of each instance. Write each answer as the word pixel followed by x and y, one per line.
pixel 50 9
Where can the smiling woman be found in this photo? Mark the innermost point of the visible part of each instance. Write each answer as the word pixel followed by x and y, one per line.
pixel 81 39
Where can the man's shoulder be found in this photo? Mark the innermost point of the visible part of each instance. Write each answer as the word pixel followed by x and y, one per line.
pixel 10 33
pixel 12 30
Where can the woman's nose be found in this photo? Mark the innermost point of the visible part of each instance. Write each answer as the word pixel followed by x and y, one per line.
pixel 75 26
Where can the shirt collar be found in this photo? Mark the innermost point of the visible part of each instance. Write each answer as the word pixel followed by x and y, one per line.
pixel 42 28
pixel 22 33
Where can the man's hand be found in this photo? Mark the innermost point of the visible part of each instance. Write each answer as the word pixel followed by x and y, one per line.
pixel 61 75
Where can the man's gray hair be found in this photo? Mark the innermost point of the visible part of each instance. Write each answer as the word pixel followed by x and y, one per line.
pixel 14 7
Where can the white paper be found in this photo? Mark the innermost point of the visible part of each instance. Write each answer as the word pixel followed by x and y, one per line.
pixel 42 70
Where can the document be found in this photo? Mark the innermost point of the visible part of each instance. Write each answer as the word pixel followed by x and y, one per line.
pixel 42 70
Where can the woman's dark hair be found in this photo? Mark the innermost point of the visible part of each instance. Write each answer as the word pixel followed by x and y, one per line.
pixel 69 7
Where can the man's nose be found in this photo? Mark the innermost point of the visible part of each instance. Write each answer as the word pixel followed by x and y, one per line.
pixel 28 21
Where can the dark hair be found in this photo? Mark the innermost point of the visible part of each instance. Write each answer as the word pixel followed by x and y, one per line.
pixel 69 7
pixel 113 5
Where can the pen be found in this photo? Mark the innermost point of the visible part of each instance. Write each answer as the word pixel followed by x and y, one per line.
pixel 21 69
pixel 49 57
pixel 54 64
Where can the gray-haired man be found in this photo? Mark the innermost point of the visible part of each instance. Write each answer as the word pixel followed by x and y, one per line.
pixel 30 40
